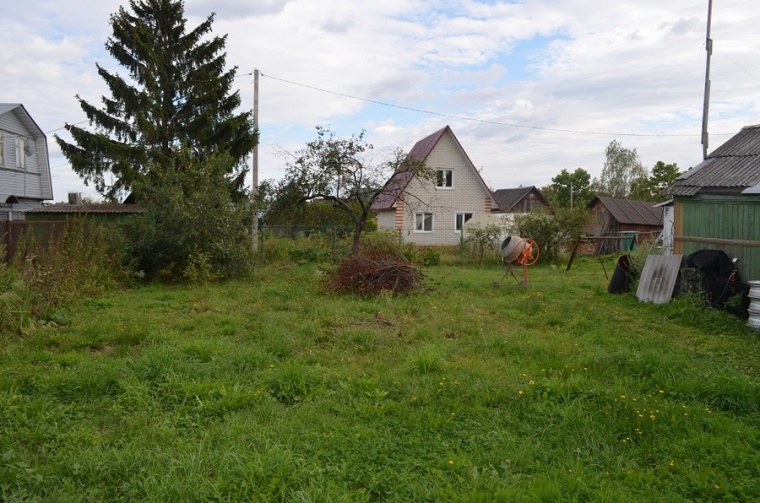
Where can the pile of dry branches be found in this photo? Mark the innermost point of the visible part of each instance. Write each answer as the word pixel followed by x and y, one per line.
pixel 370 272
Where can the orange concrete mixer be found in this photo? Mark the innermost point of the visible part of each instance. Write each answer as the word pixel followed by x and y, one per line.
pixel 520 252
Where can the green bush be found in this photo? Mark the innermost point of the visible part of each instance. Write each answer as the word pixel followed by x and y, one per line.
pixel 85 260
pixel 553 232
pixel 190 211
pixel 483 239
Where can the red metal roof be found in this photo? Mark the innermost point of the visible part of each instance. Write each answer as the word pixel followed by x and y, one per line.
pixel 419 153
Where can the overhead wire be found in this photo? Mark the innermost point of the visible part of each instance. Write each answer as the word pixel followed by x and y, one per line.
pixel 474 119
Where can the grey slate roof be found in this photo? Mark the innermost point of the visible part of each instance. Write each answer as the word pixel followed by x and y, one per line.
pixel 629 212
pixel 88 208
pixel 506 199
pixel 733 168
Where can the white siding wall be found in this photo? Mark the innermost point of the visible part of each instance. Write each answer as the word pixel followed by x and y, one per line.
pixel 468 195
pixel 34 181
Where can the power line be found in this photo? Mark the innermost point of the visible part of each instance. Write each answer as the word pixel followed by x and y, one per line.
pixel 473 119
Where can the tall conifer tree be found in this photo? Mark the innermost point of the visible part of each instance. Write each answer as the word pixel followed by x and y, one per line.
pixel 177 95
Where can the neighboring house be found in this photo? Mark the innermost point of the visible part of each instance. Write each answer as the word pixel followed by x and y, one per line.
pixel 614 217
pixel 519 200
pixel 717 203
pixel 433 212
pixel 24 164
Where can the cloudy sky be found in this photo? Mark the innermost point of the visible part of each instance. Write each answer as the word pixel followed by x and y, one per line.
pixel 529 87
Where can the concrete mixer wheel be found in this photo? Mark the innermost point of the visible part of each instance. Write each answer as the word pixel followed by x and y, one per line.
pixel 530 254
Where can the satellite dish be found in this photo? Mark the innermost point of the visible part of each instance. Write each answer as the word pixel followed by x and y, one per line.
pixel 29 147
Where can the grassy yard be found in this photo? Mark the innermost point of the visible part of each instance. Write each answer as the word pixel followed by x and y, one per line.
pixel 273 390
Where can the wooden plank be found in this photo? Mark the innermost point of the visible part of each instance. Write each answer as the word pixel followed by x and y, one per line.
pixel 716 241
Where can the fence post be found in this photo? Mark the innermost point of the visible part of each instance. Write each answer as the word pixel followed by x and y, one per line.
pixel 461 244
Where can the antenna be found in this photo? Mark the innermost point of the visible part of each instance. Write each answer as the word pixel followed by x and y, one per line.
pixel 706 109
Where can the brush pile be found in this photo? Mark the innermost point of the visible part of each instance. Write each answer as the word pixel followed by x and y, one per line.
pixel 372 271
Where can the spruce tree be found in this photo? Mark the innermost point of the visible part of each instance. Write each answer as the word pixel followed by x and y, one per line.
pixel 176 95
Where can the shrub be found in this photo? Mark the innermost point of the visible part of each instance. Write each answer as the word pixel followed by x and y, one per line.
pixel 85 260
pixel 484 237
pixel 553 232
pixel 190 211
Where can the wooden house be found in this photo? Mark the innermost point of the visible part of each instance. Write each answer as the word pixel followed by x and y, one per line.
pixel 519 200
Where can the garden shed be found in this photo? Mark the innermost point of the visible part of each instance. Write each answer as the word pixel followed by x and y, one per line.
pixel 717 203
pixel 615 217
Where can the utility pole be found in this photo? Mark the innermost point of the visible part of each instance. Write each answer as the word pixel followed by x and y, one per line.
pixel 706 109
pixel 571 195
pixel 255 185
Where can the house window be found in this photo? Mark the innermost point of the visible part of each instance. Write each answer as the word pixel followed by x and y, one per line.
pixel 461 219
pixel 20 155
pixel 423 222
pixel 2 147
pixel 444 178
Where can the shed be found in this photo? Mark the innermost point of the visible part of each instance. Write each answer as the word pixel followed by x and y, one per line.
pixel 612 216
pixel 99 212
pixel 717 203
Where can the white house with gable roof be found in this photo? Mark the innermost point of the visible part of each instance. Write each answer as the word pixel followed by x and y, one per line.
pixel 24 164
pixel 433 212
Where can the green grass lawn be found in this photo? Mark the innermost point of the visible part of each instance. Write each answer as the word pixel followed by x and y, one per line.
pixel 274 390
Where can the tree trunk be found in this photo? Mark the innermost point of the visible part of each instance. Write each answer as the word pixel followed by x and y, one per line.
pixel 357 236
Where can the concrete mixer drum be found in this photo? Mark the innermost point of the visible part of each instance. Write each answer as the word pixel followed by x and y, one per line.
pixel 520 252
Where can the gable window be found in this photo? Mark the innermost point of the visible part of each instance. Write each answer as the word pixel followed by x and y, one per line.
pixel 2 148
pixel 20 155
pixel 423 222
pixel 461 219
pixel 444 178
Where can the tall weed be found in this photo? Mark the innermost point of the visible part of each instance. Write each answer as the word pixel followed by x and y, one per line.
pixel 84 261
pixel 16 313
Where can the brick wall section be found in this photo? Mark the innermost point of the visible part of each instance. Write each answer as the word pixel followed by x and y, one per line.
pixel 399 214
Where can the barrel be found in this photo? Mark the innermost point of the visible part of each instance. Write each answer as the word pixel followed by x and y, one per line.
pixel 754 305
pixel 511 248
pixel 622 277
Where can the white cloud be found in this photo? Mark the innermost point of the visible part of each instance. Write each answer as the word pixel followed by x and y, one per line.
pixel 559 69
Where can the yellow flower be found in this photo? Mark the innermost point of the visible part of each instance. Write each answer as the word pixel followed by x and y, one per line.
pixel 451 461
pixel 520 392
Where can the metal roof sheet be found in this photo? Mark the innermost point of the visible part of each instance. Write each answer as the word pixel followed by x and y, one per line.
pixel 88 208
pixel 392 190
pixel 658 279
pixel 731 168
pixel 630 212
